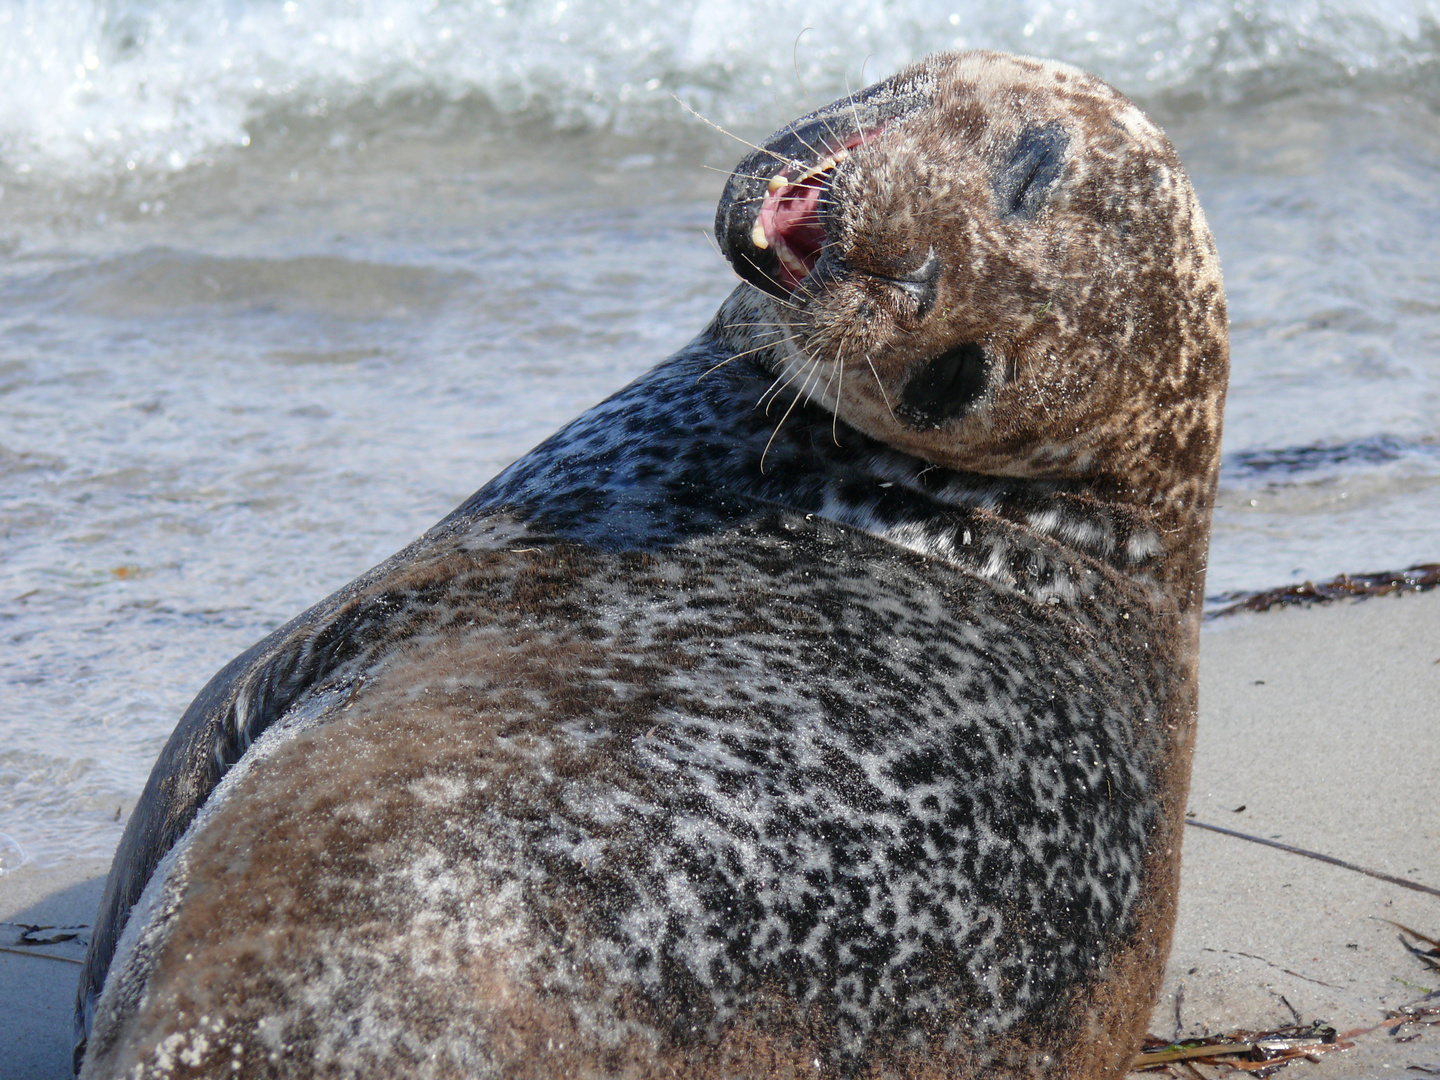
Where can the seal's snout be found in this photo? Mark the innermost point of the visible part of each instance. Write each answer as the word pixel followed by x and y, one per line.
pixel 771 220
pixel 788 230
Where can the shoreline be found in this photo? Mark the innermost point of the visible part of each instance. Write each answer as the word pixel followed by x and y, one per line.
pixel 1317 729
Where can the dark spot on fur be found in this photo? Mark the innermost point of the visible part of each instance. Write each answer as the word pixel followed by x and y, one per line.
pixel 946 387
pixel 1035 164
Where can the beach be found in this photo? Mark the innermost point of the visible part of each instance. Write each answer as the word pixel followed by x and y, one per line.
pixel 1319 722
pixel 282 284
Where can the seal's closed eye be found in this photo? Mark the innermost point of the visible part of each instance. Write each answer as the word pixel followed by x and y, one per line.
pixel 944 388
pixel 1035 164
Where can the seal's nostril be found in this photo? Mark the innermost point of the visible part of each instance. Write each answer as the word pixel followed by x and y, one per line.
pixel 919 284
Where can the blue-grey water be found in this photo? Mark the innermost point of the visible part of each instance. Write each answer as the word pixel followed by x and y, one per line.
pixel 283 282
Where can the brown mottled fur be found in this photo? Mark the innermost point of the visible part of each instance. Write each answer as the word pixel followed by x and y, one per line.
pixel 376 906
pixel 338 807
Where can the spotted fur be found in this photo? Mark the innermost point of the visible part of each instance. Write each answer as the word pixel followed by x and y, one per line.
pixel 690 745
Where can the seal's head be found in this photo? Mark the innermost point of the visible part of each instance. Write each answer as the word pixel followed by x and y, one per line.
pixel 998 265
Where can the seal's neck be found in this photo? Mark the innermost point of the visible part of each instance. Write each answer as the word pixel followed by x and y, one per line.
pixel 811 461
pixel 692 444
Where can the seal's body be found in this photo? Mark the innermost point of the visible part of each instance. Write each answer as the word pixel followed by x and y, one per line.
pixel 693 745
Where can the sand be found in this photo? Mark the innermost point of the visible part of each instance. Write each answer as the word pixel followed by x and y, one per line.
pixel 1321 723
pixel 37 990
pixel 1324 725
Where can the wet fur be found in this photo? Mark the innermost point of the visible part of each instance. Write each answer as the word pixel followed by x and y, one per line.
pixel 650 760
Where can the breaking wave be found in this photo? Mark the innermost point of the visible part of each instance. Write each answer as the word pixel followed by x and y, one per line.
pixel 95 87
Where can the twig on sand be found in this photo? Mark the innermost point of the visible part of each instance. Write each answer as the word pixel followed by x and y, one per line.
pixel 41 955
pixel 1404 883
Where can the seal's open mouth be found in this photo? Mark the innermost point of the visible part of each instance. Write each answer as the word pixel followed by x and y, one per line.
pixel 790 179
pixel 789 222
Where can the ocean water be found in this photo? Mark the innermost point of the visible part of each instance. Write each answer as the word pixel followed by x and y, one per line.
pixel 283 282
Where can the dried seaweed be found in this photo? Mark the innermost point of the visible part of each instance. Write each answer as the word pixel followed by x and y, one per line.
pixel 1259 1053
pixel 1429 957
pixel 1417 1013
pixel 33 934
pixel 1415 579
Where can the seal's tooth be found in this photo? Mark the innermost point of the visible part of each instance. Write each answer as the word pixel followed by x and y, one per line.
pixel 780 180
pixel 758 237
pixel 790 259
pixel 817 169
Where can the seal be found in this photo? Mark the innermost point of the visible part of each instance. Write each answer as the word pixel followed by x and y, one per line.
pixel 820 704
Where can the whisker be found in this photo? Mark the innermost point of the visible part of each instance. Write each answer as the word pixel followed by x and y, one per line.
pixel 774 299
pixel 773 391
pixel 883 396
pixel 795 59
pixel 760 401
pixel 713 242
pixel 813 149
pixel 737 356
pixel 831 379
pixel 823 199
pixel 717 127
pixel 837 138
pixel 814 365
pixel 773 330
pixel 818 185
pixel 854 111
pixel 746 175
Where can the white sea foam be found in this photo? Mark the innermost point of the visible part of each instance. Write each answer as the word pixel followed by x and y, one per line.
pixel 95 88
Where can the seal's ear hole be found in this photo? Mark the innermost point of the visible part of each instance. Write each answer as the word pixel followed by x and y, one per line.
pixel 946 387
pixel 1035 164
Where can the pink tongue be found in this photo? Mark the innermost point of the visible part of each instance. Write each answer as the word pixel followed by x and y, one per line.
pixel 791 222
pixel 797 225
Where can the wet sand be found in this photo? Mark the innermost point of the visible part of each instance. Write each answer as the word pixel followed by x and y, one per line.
pixel 37 990
pixel 1320 723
